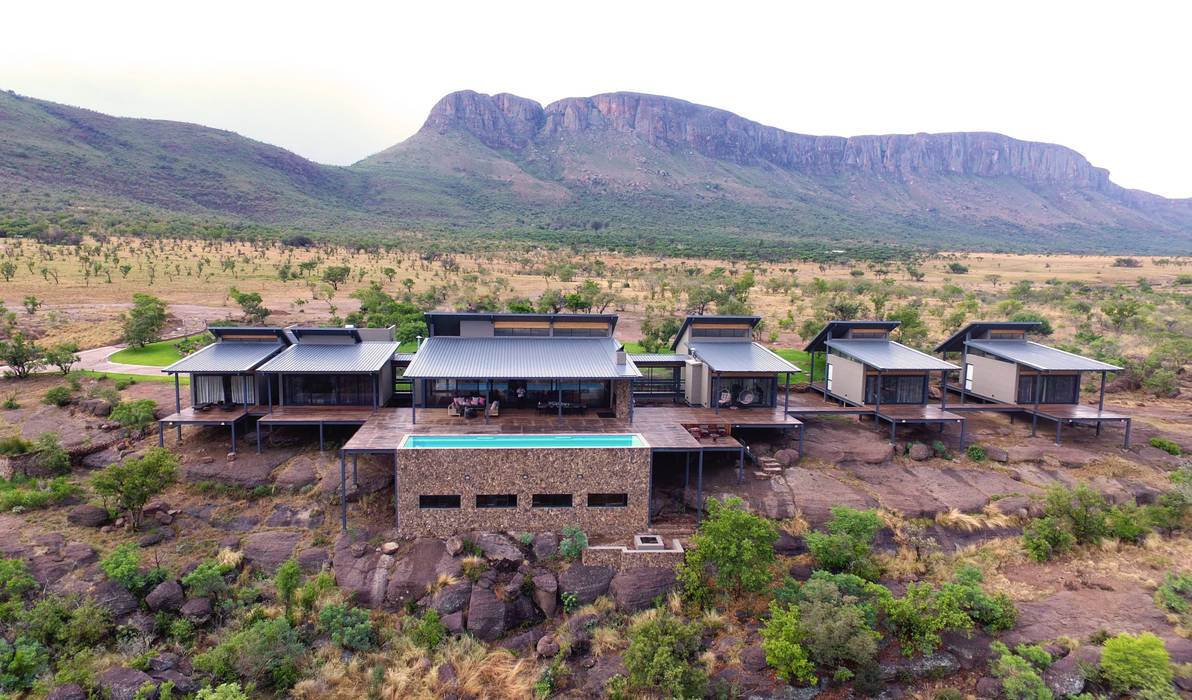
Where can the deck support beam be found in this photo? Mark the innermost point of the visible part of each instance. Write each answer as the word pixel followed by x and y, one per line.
pixel 878 396
pixel 233 435
pixel 801 427
pixel 716 394
pixel 687 470
pixel 699 491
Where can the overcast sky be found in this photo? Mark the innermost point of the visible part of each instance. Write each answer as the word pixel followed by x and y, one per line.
pixel 336 82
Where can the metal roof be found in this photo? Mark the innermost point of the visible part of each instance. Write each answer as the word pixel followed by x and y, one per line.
pixel 403 356
pixel 1040 357
pixel 645 358
pixel 275 332
pixel 714 320
pixel 955 343
pixel 313 358
pixel 740 357
pixel 225 358
pixel 443 357
pixel 454 317
pixel 839 328
pixel 888 355
pixel 325 331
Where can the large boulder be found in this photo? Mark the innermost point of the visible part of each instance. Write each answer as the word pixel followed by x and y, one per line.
pixel 545 545
pixel 296 475
pixel 309 517
pixel 70 691
pixel 86 515
pixel 1065 677
pixel 452 598
pixel 421 568
pixel 500 550
pixel 486 614
pixel 637 589
pixel 197 610
pixel 168 596
pixel 920 452
pixel 312 559
pixel 520 612
pixel 362 571
pixel 786 457
pixel 269 550
pixel 546 593
pixel 587 582
pixel 123 683
pixel 937 665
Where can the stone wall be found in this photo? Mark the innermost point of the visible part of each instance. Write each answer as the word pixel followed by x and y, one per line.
pixel 524 472
pixel 622 395
pixel 625 558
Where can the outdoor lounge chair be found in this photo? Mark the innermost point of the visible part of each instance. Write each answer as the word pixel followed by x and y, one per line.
pixel 726 397
pixel 494 409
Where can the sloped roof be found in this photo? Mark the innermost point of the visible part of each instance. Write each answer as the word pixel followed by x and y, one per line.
pixel 740 357
pixel 839 328
pixel 1041 357
pixel 658 357
pixel 312 358
pixel 713 320
pixel 225 358
pixel 442 357
pixel 955 343
pixel 888 355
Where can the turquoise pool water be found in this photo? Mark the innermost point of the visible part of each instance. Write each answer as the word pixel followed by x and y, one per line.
pixel 486 441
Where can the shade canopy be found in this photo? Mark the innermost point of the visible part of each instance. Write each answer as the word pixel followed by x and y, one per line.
pixel 314 358
pixel 740 357
pixel 447 357
pixel 888 355
pixel 1040 357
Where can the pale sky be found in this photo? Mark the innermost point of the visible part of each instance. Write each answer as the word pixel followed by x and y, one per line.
pixel 336 82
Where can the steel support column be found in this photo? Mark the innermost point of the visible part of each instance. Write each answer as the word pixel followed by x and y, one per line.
pixel 741 467
pixel 686 470
pixel 396 512
pixel 699 490
pixel 355 461
pixel 178 404
pixel 343 488
pixel 1038 395
pixel 233 436
pixel 878 400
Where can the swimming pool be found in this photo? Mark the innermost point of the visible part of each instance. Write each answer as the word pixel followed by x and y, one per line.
pixel 545 441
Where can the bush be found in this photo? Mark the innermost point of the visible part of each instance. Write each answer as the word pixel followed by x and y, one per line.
pixel 1164 444
pixel 265 652
pixel 920 616
pixel 123 565
pixel 134 414
pixel 430 632
pixel 782 639
pixel 1081 512
pixel 993 613
pixel 53 458
pixel 286 579
pixel 20 663
pixel 15 582
pixel 1131 664
pixel 976 453
pixel 1174 595
pixel 349 627
pixel 837 627
pixel 61 396
pixel 1021 673
pixel 1045 538
pixel 122 383
pixel 133 482
pixel 574 542
pixel 735 546
pixel 224 691
pixel 14 445
pixel 1128 522
pixel 846 547
pixel 663 653
pixel 206 581
pixel 1168 513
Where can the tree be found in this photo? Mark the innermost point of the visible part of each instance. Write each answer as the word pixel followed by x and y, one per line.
pixel 1044 327
pixel 912 330
pixel 737 545
pixel 663 653
pixel 287 578
pixel 520 305
pixel 335 275
pixel 7 270
pixel 133 482
pixel 577 303
pixel 22 356
pixel 389 272
pixel 32 304
pixel 144 322
pixel 782 641
pixel 551 302
pixel 63 356
pixel 657 334
pixel 251 304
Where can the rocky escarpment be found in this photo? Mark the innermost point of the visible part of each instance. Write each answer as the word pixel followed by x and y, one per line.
pixel 509 122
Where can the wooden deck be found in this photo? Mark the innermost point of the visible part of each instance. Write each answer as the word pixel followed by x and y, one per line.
pixel 214 416
pixel 911 413
pixel 1077 412
pixel 317 415
pixel 979 402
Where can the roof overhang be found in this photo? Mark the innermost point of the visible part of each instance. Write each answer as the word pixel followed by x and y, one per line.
pixel 836 329
pixel 887 355
pixel 455 357
pixel 740 357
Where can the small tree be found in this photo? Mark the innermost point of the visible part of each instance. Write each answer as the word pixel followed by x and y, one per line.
pixel 134 414
pixel 22 356
pixel 287 579
pixel 132 483
pixel 63 356
pixel 251 304
pixel 736 544
pixel 574 542
pixel 336 275
pixel 144 322
pixel 7 270
pixel 32 304
pixel 1138 665
pixel 782 641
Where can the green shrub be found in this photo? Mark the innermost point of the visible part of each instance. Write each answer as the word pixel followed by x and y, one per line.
pixel 1045 538
pixel 122 383
pixel 265 652
pixel 1081 511
pixel 570 602
pixel 224 691
pixel 206 581
pixel 60 396
pixel 52 457
pixel 782 638
pixel 429 633
pixel 1132 664
pixel 976 453
pixel 1174 595
pixel 1168 513
pixel 1020 673
pixel 349 627
pixel 134 414
pixel 1164 444
pixel 733 546
pixel 20 663
pixel 663 653
pixel 837 628
pixel 14 445
pixel 574 542
pixel 15 582
pixel 846 547
pixel 920 616
pixel 133 482
pixel 1128 522
pixel 286 579
pixel 940 448
pixel 993 613
pixel 123 565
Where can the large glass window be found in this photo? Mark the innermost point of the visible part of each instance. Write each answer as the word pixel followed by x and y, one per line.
pixel 551 500
pixel 659 380
pixel 716 332
pixel 520 332
pixel 496 500
pixel 438 501
pixel 608 500
pixel 1057 388
pixel 580 332
pixel 520 393
pixel 896 388
pixel 328 389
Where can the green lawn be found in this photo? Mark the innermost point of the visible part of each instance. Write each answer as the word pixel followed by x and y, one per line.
pixel 157 354
pixel 802 360
pixel 182 379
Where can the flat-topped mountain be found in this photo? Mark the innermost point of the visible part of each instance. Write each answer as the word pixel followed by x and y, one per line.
pixel 620 169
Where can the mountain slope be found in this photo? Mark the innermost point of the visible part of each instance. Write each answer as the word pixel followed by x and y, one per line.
pixel 622 170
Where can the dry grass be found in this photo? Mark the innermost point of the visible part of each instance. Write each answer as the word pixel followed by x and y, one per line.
pixel 795 526
pixel 606 639
pixel 229 558
pixel 989 518
pixel 445 579
pixel 674 602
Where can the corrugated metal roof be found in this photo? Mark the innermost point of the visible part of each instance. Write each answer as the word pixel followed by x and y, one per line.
pixel 888 355
pixel 443 357
pixel 227 358
pixel 403 356
pixel 955 343
pixel 314 358
pixel 839 328
pixel 714 320
pixel 740 357
pixel 1041 357
pixel 656 357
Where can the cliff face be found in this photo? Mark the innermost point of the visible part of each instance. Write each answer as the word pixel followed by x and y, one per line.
pixel 508 122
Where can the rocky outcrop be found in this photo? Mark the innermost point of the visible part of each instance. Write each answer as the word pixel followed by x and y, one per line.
pixel 636 589
pixel 87 515
pixel 268 550
pixel 486 615
pixel 123 683
pixel 587 582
